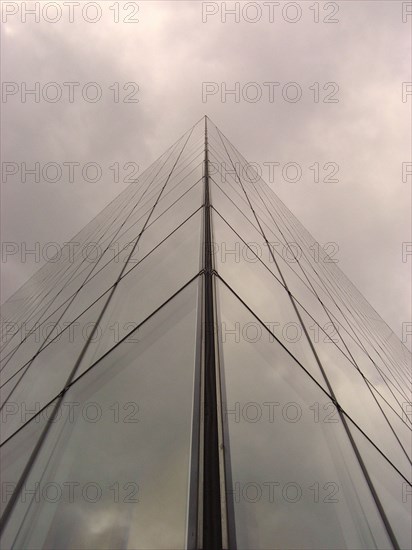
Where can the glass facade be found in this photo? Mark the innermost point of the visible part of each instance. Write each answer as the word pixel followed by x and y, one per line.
pixel 199 378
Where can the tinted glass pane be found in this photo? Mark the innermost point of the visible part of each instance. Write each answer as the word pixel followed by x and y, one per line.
pixel 30 339
pixel 394 492
pixel 160 227
pixel 376 376
pixel 357 399
pixel 114 472
pixel 243 271
pixel 148 285
pixel 37 383
pixel 15 453
pixel 296 482
pixel 237 217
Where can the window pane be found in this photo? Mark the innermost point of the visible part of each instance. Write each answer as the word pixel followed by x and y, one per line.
pixel 124 449
pixel 15 453
pixel 147 286
pixel 376 375
pixel 30 340
pixel 261 291
pixel 237 217
pixel 296 482
pixel 355 397
pixel 161 227
pixel 40 381
pixel 177 189
pixel 400 422
pixel 394 492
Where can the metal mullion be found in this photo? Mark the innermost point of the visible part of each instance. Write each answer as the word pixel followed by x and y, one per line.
pixel 213 536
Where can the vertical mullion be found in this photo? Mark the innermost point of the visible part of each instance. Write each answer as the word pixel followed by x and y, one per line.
pixel 212 520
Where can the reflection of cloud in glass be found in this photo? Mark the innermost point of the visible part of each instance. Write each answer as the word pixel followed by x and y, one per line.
pixel 147 460
pixel 303 453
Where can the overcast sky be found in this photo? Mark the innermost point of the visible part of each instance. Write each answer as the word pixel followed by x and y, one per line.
pixel 355 117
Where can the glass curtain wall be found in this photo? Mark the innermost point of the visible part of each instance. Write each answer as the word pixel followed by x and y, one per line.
pixel 202 379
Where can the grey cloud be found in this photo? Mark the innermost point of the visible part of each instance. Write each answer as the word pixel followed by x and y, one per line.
pixel 169 53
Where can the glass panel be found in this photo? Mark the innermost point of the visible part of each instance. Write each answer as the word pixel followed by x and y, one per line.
pixel 242 270
pixel 307 299
pixel 59 292
pixel 357 400
pixel 30 339
pixel 156 231
pixel 15 453
pixel 186 172
pixel 296 482
pixel 40 381
pixel 401 385
pixel 235 217
pixel 400 422
pixel 242 177
pixel 51 275
pixel 394 492
pixel 246 237
pixel 49 280
pixel 114 470
pixel 169 198
pixel 174 192
pixel 230 185
pixel 103 277
pixel 161 227
pixel 375 375
pixel 100 256
pixel 148 285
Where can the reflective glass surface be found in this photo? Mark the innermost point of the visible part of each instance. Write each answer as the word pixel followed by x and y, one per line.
pixel 295 480
pixel 240 267
pixel 41 380
pixel 313 390
pixel 114 471
pixel 147 286
pixel 394 491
